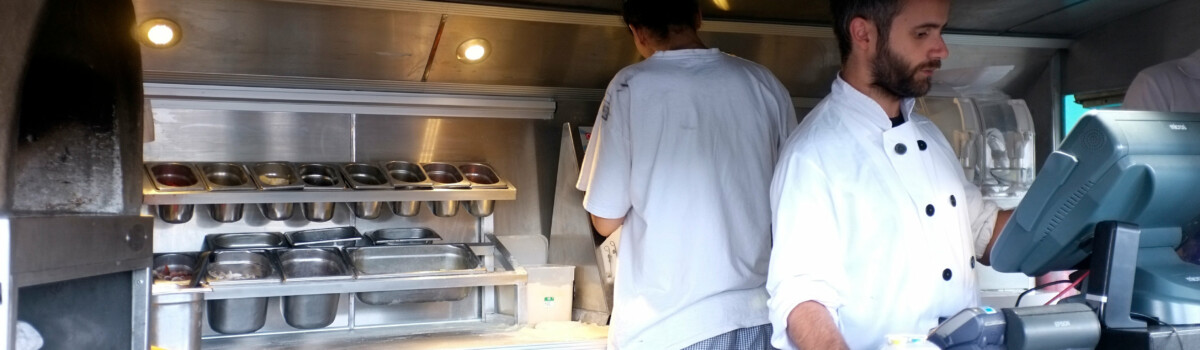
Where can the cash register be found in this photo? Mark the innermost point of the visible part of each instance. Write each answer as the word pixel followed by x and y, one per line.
pixel 1116 199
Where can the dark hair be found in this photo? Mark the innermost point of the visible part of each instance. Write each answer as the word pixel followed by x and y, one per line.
pixel 659 16
pixel 879 12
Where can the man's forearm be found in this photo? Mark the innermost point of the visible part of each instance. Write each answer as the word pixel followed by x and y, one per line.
pixel 1001 219
pixel 811 327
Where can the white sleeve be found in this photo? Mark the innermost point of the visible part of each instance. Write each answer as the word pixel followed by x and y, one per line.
pixel 808 252
pixel 1144 94
pixel 983 217
pixel 787 111
pixel 605 173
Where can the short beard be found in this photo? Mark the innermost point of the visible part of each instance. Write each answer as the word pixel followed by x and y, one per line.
pixel 891 73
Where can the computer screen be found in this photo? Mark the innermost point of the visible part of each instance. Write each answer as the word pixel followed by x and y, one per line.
pixel 1130 166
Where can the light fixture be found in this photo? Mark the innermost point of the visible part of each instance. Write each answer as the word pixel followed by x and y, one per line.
pixel 722 4
pixel 474 50
pixel 158 33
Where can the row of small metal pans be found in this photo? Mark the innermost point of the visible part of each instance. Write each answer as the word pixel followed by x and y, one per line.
pixel 314 255
pixel 339 237
pixel 228 176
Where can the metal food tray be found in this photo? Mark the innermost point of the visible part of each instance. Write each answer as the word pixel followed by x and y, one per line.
pixel 445 175
pixel 406 175
pixel 174 170
pixel 313 264
pixel 245 240
pixel 258 263
pixel 481 175
pixel 402 236
pixel 325 237
pixel 223 176
pixel 276 175
pixel 413 260
pixel 365 176
pixel 321 177
pixel 175 262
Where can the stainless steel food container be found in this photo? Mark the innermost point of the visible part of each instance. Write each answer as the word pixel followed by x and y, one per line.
pixel 402 236
pixel 320 177
pixel 367 210
pixel 481 176
pixel 413 260
pixel 245 240
pixel 276 176
pixel 406 208
pixel 242 315
pixel 406 175
pixel 228 212
pixel 444 208
pixel 175 268
pixel 363 176
pixel 445 175
pixel 325 237
pixel 175 320
pixel 227 177
pixel 175 213
pixel 277 211
pixel 175 177
pixel 309 264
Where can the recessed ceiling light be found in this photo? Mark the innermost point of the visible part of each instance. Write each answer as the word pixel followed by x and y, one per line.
pixel 159 33
pixel 474 50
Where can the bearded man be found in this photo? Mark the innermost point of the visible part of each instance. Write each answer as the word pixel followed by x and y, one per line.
pixel 876 230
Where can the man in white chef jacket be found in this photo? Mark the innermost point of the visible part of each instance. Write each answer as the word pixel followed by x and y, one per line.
pixel 876 230
pixel 681 155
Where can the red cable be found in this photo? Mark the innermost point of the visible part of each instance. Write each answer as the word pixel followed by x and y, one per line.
pixel 1069 288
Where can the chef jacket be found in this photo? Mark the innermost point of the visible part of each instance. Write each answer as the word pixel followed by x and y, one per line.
pixel 876 223
pixel 1172 86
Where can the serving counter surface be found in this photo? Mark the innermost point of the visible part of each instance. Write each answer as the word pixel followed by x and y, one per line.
pixel 548 335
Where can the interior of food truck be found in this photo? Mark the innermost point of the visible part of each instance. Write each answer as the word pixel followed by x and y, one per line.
pixel 367 174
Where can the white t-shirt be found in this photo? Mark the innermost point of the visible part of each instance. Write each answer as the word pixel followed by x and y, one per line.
pixel 683 148
pixel 877 223
pixel 1172 86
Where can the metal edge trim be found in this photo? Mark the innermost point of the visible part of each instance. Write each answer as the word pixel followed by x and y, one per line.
pixel 615 21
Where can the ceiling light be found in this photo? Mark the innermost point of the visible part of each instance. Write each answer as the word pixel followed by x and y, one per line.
pixel 722 4
pixel 159 33
pixel 474 50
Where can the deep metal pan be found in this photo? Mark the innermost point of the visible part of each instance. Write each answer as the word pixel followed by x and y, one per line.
pixel 320 177
pixel 227 176
pixel 406 175
pixel 365 176
pixel 346 236
pixel 481 175
pixel 176 177
pixel 276 176
pixel 445 175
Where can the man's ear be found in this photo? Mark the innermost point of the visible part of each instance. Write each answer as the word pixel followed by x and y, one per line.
pixel 697 21
pixel 863 35
pixel 639 35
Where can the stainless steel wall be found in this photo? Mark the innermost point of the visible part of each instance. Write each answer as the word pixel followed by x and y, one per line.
pixel 213 135
pixel 1110 56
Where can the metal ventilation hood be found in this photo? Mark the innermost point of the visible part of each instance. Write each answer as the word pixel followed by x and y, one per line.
pixel 566 49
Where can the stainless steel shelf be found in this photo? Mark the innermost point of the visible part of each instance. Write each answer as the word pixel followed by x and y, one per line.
pixel 152 196
pixel 366 285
